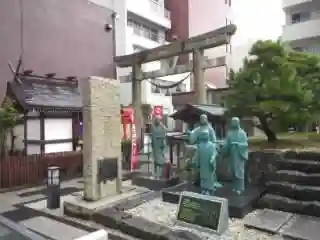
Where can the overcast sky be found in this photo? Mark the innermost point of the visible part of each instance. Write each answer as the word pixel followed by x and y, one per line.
pixel 257 19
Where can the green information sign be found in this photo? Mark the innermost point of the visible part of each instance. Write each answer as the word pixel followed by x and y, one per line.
pixel 203 211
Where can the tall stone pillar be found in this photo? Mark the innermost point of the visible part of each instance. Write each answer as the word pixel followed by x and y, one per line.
pixel 198 75
pixel 137 97
pixel 101 137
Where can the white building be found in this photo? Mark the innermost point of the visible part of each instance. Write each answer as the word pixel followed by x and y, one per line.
pixel 302 29
pixel 142 25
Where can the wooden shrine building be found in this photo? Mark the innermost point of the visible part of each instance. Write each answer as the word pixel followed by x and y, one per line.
pixel 51 110
pixel 190 114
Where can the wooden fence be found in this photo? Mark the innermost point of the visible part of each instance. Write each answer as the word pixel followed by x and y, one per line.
pixel 30 170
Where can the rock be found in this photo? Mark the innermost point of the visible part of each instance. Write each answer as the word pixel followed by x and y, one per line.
pixel 141 228
pixel 277 202
pixel 110 217
pixel 311 179
pixel 291 190
pixel 187 235
pixel 136 200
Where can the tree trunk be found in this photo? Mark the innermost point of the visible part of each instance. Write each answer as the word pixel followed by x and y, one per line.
pixel 271 135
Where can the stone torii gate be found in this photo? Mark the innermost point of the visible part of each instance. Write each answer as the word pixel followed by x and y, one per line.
pixel 195 45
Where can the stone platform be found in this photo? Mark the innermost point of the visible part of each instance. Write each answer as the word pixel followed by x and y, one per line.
pixel 147 181
pixel 239 206
pixel 76 206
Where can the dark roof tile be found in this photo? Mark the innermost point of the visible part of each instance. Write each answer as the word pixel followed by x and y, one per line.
pixel 47 94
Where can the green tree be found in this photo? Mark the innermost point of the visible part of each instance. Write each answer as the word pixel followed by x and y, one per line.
pixel 274 85
pixel 9 117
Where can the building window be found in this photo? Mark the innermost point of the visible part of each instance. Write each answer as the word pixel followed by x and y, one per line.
pixel 300 17
pixel 153 35
pixel 229 48
pixel 145 31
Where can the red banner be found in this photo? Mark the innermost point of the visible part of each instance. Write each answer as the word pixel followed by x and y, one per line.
pixel 134 145
pixel 158 111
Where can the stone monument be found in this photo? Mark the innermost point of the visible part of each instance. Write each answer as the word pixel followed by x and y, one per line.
pixel 101 137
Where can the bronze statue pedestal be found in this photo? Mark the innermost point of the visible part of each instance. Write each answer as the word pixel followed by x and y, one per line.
pixel 239 206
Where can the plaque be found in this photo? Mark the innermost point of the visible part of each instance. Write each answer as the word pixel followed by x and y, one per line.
pixel 107 169
pixel 208 213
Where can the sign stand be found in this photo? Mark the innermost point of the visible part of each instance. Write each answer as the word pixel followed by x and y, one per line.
pixel 205 213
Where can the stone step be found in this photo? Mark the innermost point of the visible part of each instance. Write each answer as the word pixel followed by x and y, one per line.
pixel 276 202
pixel 303 155
pixel 301 178
pixel 294 191
pixel 306 166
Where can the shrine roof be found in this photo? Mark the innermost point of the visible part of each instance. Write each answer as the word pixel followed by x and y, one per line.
pixel 46 94
pixel 193 111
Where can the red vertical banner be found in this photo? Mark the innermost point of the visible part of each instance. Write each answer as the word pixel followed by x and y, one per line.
pixel 157 111
pixel 134 145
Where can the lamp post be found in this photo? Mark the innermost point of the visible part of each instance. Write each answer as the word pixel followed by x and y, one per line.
pixel 53 186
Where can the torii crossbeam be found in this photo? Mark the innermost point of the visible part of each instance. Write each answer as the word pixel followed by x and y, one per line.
pixel 196 45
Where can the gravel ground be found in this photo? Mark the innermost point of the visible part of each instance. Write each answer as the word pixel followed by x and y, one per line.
pixel 164 213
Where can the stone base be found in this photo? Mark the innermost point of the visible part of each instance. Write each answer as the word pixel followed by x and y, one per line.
pixel 153 183
pixel 239 206
pixel 76 206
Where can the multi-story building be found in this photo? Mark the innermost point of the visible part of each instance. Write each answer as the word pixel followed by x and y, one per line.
pixel 301 29
pixel 55 36
pixel 152 23
pixel 138 27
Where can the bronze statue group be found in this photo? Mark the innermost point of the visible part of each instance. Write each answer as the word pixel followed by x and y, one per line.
pixel 233 149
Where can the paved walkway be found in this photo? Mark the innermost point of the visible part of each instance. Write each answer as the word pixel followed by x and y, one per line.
pixel 28 207
pixel 13 206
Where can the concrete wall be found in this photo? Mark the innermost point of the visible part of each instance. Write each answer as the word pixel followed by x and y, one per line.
pixel 66 37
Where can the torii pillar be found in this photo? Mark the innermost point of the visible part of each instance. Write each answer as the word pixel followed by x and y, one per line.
pixel 198 77
pixel 137 97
